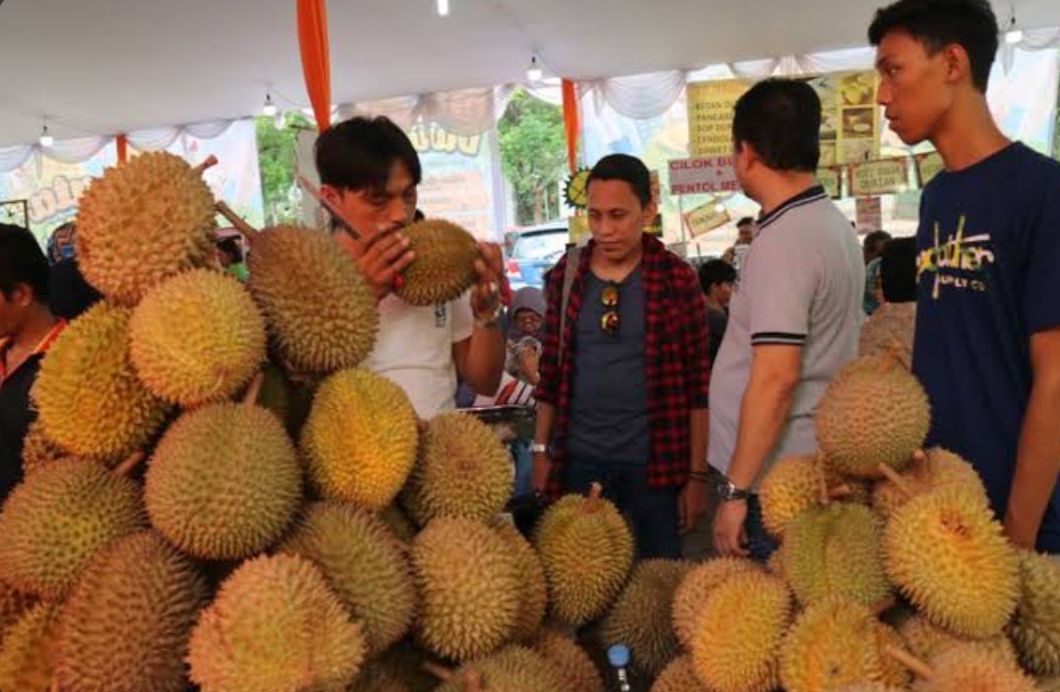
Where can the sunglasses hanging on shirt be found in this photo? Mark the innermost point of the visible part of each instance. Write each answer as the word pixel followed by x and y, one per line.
pixel 610 321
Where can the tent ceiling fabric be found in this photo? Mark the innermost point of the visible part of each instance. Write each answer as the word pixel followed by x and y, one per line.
pixel 111 66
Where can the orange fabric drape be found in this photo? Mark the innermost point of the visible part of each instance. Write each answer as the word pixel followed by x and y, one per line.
pixel 122 145
pixel 571 122
pixel 316 63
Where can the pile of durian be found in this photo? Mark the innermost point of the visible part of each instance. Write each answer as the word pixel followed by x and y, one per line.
pixel 217 497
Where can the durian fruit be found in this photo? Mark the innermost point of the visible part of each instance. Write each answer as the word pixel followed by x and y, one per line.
pixel 534 589
pixel 444 262
pixel 12 605
pixel 275 625
pixel 142 222
pixel 889 329
pixel 125 626
pixel 88 396
pixel 775 564
pixel 224 482
pixel 925 640
pixel 1035 629
pixel 692 592
pixel 832 644
pixel 869 687
pixel 463 471
pixel 469 585
pixel 930 470
pixel 58 518
pixel 512 669
pixel 1050 684
pixel 834 552
pixel 399 524
pixel 798 483
pixel 275 394
pixel 38 450
pixel 679 676
pixel 642 617
pixel 873 412
pixel 363 563
pixel 217 349
pixel 968 668
pixel 947 555
pixel 895 674
pixel 739 632
pixel 26 661
pixel 587 549
pixel 400 669
pixel 569 659
pixel 361 437
pixel 318 307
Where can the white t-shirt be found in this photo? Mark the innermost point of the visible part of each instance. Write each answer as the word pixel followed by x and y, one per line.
pixel 414 349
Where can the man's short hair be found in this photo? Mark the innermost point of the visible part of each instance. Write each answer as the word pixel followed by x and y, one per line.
pixel 22 262
pixel 744 221
pixel 357 154
pixel 971 24
pixel 898 270
pixel 714 272
pixel 876 239
pixel 781 119
pixel 626 168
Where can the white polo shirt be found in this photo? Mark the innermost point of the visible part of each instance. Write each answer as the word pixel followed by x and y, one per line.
pixel 414 349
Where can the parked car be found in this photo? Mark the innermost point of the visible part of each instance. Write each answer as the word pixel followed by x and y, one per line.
pixel 535 251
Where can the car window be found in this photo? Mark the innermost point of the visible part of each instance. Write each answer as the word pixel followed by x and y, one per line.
pixel 540 246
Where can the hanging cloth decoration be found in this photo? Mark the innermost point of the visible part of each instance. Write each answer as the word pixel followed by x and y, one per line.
pixel 316 64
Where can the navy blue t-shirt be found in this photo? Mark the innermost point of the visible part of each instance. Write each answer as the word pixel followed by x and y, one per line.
pixel 988 272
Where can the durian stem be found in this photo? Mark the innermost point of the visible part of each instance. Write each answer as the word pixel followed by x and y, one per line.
pixel 840 491
pixel 439 671
pixel 884 605
pixel 248 231
pixel 889 359
pixel 126 467
pixel 473 680
pixel 921 458
pixel 592 502
pixel 55 685
pixel 899 482
pixel 911 662
pixel 251 397
pixel 210 161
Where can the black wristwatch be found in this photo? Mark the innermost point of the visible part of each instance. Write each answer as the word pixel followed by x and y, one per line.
pixel 729 491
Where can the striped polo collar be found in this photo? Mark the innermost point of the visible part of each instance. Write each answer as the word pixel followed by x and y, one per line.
pixel 808 196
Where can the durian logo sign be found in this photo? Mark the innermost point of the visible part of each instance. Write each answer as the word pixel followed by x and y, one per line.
pixel 957 263
pixel 432 137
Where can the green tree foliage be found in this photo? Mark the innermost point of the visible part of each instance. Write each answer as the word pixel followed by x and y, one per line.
pixel 533 155
pixel 276 158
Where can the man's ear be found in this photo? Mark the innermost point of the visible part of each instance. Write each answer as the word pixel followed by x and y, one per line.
pixel 331 193
pixel 957 63
pixel 22 296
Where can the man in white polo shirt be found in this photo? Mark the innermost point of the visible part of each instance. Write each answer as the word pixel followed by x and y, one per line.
pixel 795 316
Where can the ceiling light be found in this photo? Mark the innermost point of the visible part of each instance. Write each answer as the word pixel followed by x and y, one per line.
pixel 443 8
pixel 1013 35
pixel 46 140
pixel 534 73
pixel 269 110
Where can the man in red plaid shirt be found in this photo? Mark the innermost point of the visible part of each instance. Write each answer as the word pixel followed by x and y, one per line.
pixel 624 371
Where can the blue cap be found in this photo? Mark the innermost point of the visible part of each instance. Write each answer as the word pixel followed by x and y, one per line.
pixel 618 655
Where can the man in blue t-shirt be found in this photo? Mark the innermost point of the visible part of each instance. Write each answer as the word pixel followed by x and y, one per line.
pixel 987 345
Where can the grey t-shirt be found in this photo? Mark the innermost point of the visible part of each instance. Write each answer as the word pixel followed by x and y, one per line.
pixel 609 403
pixel 802 285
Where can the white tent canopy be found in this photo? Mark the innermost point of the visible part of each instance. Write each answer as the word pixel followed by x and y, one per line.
pixel 110 66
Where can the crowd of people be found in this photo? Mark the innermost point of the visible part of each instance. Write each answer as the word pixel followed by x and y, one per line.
pixel 655 380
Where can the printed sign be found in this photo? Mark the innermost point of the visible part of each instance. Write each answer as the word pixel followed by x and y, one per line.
pixel 703 175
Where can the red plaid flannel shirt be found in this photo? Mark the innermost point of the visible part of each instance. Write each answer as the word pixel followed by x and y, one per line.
pixel 676 354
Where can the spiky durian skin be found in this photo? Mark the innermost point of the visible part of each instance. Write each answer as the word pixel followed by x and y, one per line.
pixel 941 468
pixel 679 676
pixel 925 640
pixel 469 585
pixel 125 626
pixel 739 632
pixel 965 668
pixel 791 486
pixel 361 438
pixel 58 518
pixel 224 482
pixel 142 222
pixel 398 523
pixel 693 590
pixel 219 345
pixel 336 328
pixel 534 589
pixel 512 669
pixel 832 644
pixel 463 471
pixel 400 669
pixel 364 564
pixel 444 264
pixel 39 451
pixel 947 555
pixel 587 549
pixel 275 625
pixel 642 617
pixel 872 413
pixel 12 605
pixel 569 659
pixel 834 552
pixel 1035 629
pixel 891 327
pixel 88 396
pixel 26 650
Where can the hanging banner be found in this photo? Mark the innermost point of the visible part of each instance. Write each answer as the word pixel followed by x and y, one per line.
pixel 868 213
pixel 831 179
pixel 858 134
pixel 928 166
pixel 706 217
pixel 881 177
pixel 710 114
pixel 701 175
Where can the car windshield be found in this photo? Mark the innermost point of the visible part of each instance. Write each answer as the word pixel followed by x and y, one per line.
pixel 540 245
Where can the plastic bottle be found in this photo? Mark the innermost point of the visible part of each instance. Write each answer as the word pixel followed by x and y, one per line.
pixel 618 657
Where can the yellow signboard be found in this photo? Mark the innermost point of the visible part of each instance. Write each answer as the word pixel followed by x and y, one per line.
pixel 879 177
pixel 928 166
pixel 710 114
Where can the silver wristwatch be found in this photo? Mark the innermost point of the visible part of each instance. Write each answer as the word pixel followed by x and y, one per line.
pixel 728 491
pixel 538 448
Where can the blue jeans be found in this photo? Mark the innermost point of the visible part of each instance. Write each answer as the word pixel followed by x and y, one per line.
pixel 651 511
pixel 524 462
pixel 760 544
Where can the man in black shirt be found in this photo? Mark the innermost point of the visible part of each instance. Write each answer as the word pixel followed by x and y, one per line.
pixel 27 329
pixel 717 277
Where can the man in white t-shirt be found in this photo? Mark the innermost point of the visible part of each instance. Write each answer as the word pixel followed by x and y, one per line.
pixel 369 171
